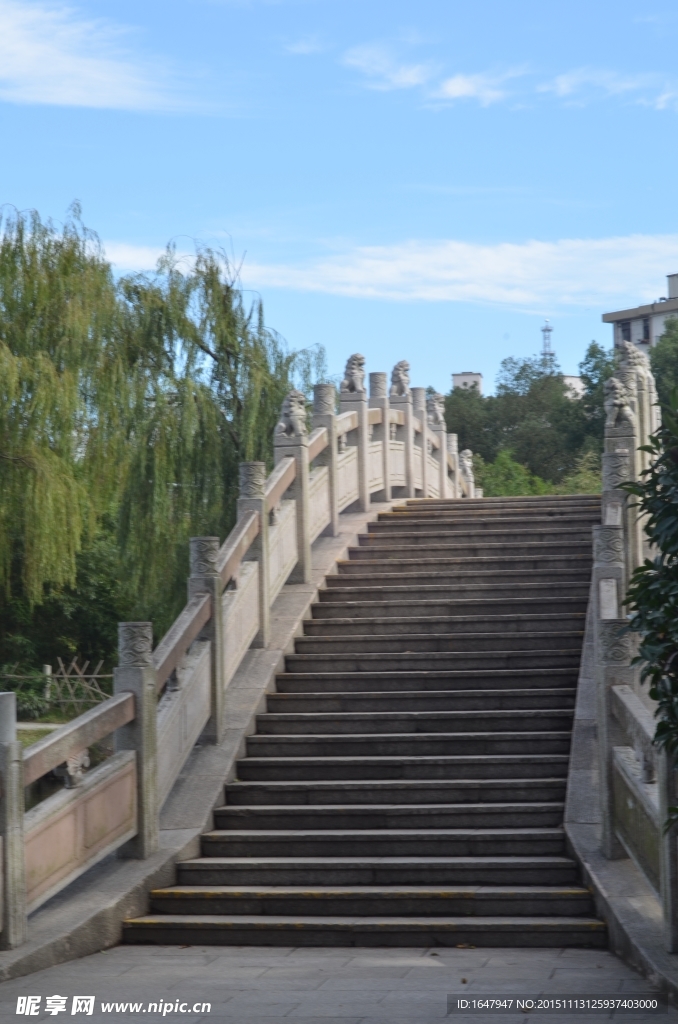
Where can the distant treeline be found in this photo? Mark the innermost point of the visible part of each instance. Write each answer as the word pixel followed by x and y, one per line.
pixel 125 407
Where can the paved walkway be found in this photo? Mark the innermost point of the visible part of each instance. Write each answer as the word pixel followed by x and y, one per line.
pixel 322 986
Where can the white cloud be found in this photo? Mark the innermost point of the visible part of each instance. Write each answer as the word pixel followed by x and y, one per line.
pixel 478 87
pixel 583 84
pixel 49 53
pixel 132 257
pixel 533 275
pixel 384 71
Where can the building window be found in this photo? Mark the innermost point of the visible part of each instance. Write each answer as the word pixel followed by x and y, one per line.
pixel 625 327
pixel 646 328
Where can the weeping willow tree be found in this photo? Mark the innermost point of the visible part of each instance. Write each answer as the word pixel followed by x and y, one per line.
pixel 126 407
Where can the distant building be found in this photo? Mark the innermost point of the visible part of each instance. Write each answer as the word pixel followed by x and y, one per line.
pixel 644 325
pixel 575 385
pixel 468 380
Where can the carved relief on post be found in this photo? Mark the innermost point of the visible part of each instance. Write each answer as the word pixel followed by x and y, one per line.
pixel 609 544
pixel 354 375
pixel 400 379
pixel 252 479
pixel 616 469
pixel 324 400
pixel 378 385
pixel 617 647
pixel 435 407
pixel 204 552
pixel 292 421
pixel 135 644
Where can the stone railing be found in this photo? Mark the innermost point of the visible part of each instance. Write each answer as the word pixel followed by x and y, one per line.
pixel 637 782
pixel 389 445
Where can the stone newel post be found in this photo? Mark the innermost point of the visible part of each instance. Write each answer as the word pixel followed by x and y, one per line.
pixel 421 439
pixel 379 400
pixel 253 499
pixel 291 441
pixel 11 827
pixel 135 674
pixel 205 579
pixel 324 415
pixel 401 399
pixel 353 398
pixel 453 452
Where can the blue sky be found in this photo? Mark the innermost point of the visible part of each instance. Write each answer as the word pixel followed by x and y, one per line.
pixel 424 181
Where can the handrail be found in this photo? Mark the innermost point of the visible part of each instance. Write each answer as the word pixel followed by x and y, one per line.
pixel 416 424
pixel 236 545
pixel 450 462
pixel 181 634
pixel 396 416
pixel 435 441
pixel 317 443
pixel 82 732
pixel 279 481
pixel 347 421
pixel 374 417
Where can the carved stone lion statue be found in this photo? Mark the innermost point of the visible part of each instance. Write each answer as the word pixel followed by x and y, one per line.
pixel 400 379
pixel 617 408
pixel 293 415
pixel 466 465
pixel 354 375
pixel 435 407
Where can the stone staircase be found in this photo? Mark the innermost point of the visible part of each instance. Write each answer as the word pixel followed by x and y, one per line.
pixel 406 786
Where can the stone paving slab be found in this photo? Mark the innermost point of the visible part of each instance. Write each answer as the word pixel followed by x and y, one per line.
pixel 323 986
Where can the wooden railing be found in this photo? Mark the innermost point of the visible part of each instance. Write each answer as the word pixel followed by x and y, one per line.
pixel 379 447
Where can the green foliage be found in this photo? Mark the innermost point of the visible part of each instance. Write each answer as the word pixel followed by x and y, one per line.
pixel 125 409
pixel 534 417
pixel 664 361
pixel 505 477
pixel 652 596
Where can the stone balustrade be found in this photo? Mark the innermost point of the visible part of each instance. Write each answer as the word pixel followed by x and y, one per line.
pixel 386 446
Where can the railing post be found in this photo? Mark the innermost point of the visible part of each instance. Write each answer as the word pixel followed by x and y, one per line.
pixel 401 398
pixel 419 410
pixel 453 451
pixel 205 579
pixel 325 415
pixel 379 400
pixel 135 674
pixel 12 827
pixel 252 478
pixel 353 398
pixel 435 407
pixel 668 849
pixel 291 441
pixel 613 654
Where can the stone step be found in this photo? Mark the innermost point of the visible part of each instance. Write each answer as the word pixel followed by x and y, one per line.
pixel 454 681
pixel 465 594
pixel 425 521
pixel 416 700
pixel 445 607
pixel 368 901
pixel 487 505
pixel 491 541
pixel 364 560
pixel 481 551
pixel 390 817
pixel 471 767
pixel 545 658
pixel 305 871
pixel 357 723
pixel 278 793
pixel 470 842
pixel 356 575
pixel 420 625
pixel 408 744
pixel 215 930
pixel 463 642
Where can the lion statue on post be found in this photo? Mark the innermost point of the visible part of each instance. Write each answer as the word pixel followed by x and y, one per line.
pixel 354 375
pixel 435 407
pixel 293 416
pixel 400 379
pixel 616 403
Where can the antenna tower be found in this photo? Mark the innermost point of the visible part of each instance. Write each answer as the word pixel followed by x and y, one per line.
pixel 546 331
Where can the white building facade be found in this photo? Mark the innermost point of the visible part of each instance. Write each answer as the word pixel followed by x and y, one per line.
pixel 645 325
pixel 464 381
